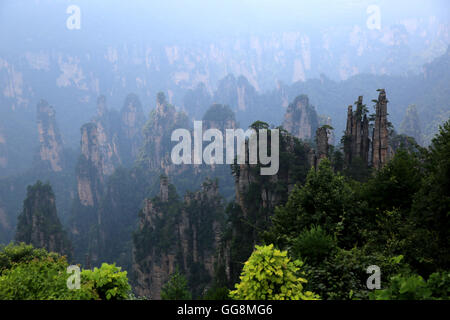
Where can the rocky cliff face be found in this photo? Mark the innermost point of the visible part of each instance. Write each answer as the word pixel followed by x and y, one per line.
pixel 38 224
pixel 242 96
pixel 357 144
pixel 132 121
pixel 256 198
pixel 380 142
pixel 99 154
pixel 299 158
pixel 91 166
pixel 50 141
pixel 356 138
pixel 51 163
pixel 110 140
pixel 301 119
pixel 100 144
pixel 321 144
pixel 238 93
pixel 155 153
pixel 174 233
pixel 219 117
pixel 326 121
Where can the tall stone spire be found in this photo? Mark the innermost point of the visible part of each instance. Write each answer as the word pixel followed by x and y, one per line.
pixel 164 188
pixel 356 140
pixel 50 141
pixel 348 136
pixel 38 224
pixel 322 144
pixel 301 118
pixel 380 132
pixel 365 140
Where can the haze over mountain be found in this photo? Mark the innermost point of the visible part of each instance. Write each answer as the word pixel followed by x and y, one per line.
pixel 147 47
pixel 355 96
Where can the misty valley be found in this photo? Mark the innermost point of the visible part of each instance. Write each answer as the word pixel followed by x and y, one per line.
pixel 163 152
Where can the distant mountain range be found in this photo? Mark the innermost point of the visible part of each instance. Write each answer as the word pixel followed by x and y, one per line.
pixel 331 66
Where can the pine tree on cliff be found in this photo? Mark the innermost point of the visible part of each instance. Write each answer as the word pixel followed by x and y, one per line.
pixel 38 224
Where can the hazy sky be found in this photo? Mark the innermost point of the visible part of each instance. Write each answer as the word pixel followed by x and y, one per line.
pixel 168 20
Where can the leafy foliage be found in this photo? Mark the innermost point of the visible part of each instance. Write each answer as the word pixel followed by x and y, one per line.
pixel 38 223
pixel 109 281
pixel 343 274
pixel 314 245
pixel 13 254
pixel 217 293
pixel 325 200
pixel 269 274
pixel 176 288
pixel 414 287
pixel 430 211
pixel 44 279
pixel 34 274
pixel 397 219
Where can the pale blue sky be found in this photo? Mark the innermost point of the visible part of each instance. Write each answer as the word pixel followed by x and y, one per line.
pixel 41 23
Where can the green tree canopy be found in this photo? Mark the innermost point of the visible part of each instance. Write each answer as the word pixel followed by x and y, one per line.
pixel 27 273
pixel 176 288
pixel 325 199
pixel 269 274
